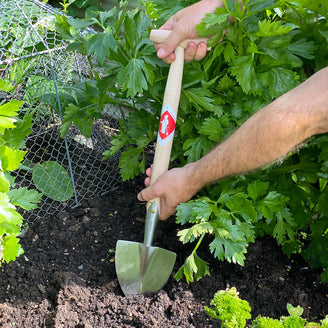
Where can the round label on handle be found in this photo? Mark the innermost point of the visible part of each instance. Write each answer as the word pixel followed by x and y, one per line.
pixel 166 125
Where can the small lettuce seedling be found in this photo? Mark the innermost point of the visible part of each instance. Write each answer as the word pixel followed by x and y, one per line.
pixel 229 308
pixel 233 312
pixel 266 322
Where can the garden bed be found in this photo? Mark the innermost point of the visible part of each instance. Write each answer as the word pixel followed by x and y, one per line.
pixel 66 277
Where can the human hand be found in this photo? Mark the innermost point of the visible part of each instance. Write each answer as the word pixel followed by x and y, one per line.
pixel 173 187
pixel 183 26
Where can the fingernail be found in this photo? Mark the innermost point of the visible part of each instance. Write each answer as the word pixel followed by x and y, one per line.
pixel 161 53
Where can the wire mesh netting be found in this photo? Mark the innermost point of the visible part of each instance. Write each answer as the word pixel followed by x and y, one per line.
pixel 36 69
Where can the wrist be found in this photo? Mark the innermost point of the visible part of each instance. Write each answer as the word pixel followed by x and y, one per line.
pixel 195 176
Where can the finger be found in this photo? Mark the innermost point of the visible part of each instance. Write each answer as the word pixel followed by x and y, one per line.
pixel 149 171
pixel 147 182
pixel 201 51
pixel 190 51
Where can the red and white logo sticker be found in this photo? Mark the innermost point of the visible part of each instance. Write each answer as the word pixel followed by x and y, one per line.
pixel 166 125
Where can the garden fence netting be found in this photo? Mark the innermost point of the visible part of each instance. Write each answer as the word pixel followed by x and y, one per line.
pixel 35 67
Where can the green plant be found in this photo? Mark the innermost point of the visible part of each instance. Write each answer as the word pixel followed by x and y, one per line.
pixel 229 308
pixel 233 312
pixel 271 47
pixel 13 130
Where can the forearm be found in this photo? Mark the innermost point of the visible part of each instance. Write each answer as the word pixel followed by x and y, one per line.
pixel 269 134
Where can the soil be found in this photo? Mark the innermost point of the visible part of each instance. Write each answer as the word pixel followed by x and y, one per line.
pixel 66 277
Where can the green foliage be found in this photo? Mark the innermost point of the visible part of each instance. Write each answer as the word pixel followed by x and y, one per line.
pixel 233 313
pixel 13 130
pixel 229 308
pixel 52 180
pixel 271 47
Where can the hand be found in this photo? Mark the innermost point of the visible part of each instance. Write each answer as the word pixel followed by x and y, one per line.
pixel 173 187
pixel 183 26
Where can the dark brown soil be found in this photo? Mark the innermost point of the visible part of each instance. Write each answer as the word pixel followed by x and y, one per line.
pixel 66 278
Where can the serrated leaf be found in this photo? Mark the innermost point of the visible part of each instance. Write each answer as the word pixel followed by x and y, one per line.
pixel 243 70
pixel 193 268
pixel 269 28
pixel 257 189
pixel 12 248
pixel 272 203
pixel 8 211
pixel 284 226
pixel 14 138
pixel 184 212
pixel 100 45
pixel 200 97
pixel 191 234
pixel 212 128
pixel 8 111
pixel 279 80
pixel 239 204
pixel 134 77
pixel 24 198
pixel 195 148
pixel 302 48
pixel 4 183
pixel 132 161
pixel 11 158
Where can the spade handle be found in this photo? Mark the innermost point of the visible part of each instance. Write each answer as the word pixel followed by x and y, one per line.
pixel 168 118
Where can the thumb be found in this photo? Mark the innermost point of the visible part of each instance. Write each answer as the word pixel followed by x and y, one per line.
pixel 146 194
pixel 172 41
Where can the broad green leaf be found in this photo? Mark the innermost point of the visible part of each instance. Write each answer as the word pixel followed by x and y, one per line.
pixel 269 28
pixel 193 267
pixel 8 111
pixel 184 212
pixel 135 77
pixel 257 189
pixel 11 108
pixel 200 97
pixel 4 183
pixel 15 138
pixel 11 158
pixel 212 128
pixel 24 198
pixel 243 70
pixel 100 46
pixel 117 143
pixel 238 204
pixel 191 234
pixel 279 80
pixel 8 211
pixel 6 86
pixel 272 203
pixel 202 210
pixel 12 248
pixel 302 48
pixel 284 226
pixel 255 6
pixel 132 161
pixel 52 180
pixel 195 148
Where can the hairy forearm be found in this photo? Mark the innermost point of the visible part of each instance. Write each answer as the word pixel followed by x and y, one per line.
pixel 269 134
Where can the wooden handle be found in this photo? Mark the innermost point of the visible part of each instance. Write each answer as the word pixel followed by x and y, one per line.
pixel 160 36
pixel 168 119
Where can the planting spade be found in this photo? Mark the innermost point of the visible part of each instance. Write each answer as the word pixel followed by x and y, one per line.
pixel 141 267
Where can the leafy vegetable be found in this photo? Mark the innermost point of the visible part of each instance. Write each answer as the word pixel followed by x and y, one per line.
pixel 12 132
